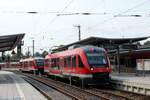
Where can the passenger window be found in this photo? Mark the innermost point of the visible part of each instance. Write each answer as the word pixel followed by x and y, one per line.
pixel 55 63
pixel 65 62
pixel 74 61
pixel 80 62
pixel 69 61
pixel 61 62
pixel 31 63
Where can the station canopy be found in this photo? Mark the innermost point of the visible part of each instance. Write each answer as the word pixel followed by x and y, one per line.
pixel 102 42
pixel 9 42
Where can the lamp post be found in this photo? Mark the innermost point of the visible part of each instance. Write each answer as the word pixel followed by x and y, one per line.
pixel 79 31
pixel 33 46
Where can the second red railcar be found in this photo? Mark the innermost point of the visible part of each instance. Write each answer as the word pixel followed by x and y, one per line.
pixel 35 65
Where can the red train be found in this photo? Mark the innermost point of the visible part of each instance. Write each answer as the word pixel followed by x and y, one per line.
pixel 7 65
pixel 88 64
pixel 35 65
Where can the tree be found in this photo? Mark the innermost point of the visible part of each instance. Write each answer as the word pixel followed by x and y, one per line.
pixel 37 54
pixel 147 43
pixel 44 53
pixel 138 44
pixel 27 54
pixel 14 57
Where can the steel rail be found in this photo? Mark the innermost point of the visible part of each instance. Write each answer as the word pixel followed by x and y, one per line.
pixel 73 91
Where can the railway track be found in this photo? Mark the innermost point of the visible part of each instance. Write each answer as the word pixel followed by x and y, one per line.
pixel 118 95
pixel 77 93
pixel 48 92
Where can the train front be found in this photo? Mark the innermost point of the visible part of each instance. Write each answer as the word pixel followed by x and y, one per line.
pixel 40 65
pixel 99 66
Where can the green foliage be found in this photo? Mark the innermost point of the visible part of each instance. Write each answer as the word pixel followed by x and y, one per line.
pixel 37 54
pixel 147 43
pixel 44 53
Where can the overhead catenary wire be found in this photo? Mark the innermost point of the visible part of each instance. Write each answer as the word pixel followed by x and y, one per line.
pixel 119 14
pixel 54 18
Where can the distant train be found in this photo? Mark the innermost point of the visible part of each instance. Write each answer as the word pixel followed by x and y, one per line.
pixel 34 65
pixel 10 65
pixel 88 64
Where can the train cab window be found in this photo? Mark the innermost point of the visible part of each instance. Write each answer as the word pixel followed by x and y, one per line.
pixel 69 61
pixel 96 58
pixel 80 62
pixel 74 61
pixel 40 62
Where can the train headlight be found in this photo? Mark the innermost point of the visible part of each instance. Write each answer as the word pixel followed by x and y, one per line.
pixel 92 68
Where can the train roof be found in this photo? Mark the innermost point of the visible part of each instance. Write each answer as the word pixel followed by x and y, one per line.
pixel 74 51
pixel 32 58
pixel 91 46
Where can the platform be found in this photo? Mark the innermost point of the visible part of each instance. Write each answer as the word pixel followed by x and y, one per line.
pixel 132 82
pixel 13 87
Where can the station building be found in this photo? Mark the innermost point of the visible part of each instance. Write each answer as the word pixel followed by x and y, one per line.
pixel 136 61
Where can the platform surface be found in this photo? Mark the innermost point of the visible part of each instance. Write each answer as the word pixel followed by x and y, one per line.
pixel 140 79
pixel 132 82
pixel 13 87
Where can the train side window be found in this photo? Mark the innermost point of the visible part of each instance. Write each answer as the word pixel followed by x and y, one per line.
pixel 69 61
pixel 65 62
pixel 47 62
pixel 74 61
pixel 31 63
pixel 61 62
pixel 52 62
pixel 80 62
pixel 57 63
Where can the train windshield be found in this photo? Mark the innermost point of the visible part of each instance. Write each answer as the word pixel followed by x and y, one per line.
pixel 96 59
pixel 40 62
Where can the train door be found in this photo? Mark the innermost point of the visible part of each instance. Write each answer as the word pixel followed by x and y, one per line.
pixel 73 63
pixel 61 64
pixel 46 65
pixel 80 66
pixel 69 65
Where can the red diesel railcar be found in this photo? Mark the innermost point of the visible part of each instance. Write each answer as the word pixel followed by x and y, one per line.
pixel 35 65
pixel 88 64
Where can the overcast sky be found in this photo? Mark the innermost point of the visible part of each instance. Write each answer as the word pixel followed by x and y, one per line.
pixel 48 29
